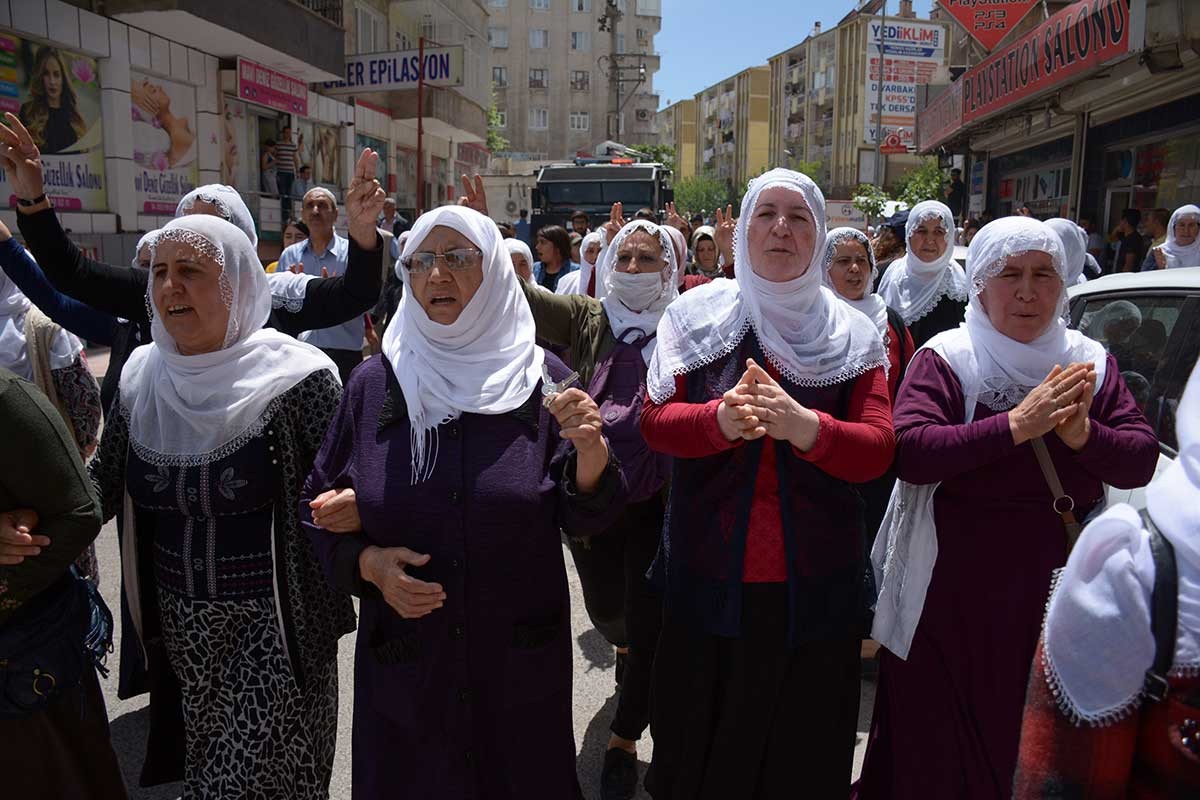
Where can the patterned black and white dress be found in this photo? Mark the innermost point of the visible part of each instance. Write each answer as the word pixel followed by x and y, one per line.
pixel 214 568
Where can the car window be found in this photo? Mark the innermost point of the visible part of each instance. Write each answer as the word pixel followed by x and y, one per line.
pixel 1136 330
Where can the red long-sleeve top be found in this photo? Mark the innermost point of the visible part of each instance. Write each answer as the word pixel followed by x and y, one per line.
pixel 893 353
pixel 857 449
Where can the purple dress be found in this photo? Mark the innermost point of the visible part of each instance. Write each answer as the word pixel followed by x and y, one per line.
pixel 474 699
pixel 947 721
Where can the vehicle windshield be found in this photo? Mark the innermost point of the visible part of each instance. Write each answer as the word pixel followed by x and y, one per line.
pixel 596 193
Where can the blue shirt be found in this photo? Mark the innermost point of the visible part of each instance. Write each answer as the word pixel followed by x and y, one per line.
pixel 522 229
pixel 79 318
pixel 348 335
pixel 550 282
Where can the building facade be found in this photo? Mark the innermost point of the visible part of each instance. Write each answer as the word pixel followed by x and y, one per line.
pixel 732 127
pixel 677 128
pixel 550 68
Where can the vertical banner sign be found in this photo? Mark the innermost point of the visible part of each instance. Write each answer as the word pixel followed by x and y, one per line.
pixel 988 21
pixel 56 94
pixel 265 86
pixel 164 142
pixel 235 145
pixel 911 53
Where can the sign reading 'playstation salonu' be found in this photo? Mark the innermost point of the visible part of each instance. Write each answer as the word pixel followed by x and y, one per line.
pixel 385 72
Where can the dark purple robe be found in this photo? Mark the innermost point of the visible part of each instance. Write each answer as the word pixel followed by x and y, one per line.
pixel 947 721
pixel 474 699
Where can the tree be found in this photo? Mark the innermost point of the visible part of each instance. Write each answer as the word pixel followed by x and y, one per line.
pixel 921 183
pixel 701 194
pixel 495 140
pixel 871 200
pixel 660 153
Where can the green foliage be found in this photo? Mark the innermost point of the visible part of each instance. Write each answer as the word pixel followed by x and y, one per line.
pixel 921 183
pixel 813 169
pixel 701 194
pixel 870 200
pixel 661 153
pixel 495 140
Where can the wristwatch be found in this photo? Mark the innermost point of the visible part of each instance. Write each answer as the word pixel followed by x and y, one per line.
pixel 23 202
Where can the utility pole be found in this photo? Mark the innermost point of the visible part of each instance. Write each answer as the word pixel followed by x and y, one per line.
pixel 879 176
pixel 609 22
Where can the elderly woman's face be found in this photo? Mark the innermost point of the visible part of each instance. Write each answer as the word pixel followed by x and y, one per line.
pixel 850 270
pixel 640 252
pixel 522 268
pixel 929 240
pixel 186 290
pixel 592 252
pixel 1023 300
pixel 443 292
pixel 781 235
pixel 1187 230
pixel 706 253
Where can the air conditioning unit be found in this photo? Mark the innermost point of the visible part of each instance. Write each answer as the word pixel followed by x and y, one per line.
pixel 511 206
pixel 643 115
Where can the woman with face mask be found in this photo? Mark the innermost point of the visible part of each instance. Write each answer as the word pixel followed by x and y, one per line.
pixel 609 342
pixel 770 393
pixel 926 285
pixel 1008 427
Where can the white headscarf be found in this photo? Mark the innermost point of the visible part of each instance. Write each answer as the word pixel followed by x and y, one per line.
pixel 811 337
pixel 1180 255
pixel 485 362
pixel 711 233
pixel 914 287
pixel 992 369
pixel 14 357
pixel 197 409
pixel 1098 643
pixel 870 304
pixel 1074 240
pixel 226 198
pixel 623 319
pixel 577 282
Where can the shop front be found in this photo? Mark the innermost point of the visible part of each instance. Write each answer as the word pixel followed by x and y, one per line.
pixel 1038 178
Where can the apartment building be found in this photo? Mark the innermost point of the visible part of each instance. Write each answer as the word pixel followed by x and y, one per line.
pixel 789 105
pixel 732 126
pixel 677 128
pixel 550 64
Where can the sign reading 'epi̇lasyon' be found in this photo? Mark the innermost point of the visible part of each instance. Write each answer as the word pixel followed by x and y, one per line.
pixel 988 21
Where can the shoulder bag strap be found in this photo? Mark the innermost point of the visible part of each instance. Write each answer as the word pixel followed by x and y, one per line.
pixel 1064 504
pixel 1164 611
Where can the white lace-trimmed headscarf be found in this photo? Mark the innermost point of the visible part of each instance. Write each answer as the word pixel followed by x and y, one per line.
pixel 1074 240
pixel 14 356
pixel 992 369
pixel 196 409
pixel 1179 255
pixel 914 287
pixel 485 362
pixel 870 304
pixel 231 205
pixel 806 332
pixel 577 281
pixel 623 319
pixel 1098 642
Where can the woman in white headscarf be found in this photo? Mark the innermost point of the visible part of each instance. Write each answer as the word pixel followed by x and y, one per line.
pixel 610 342
pixel 215 425
pixel 964 557
pixel 706 260
pixel 771 395
pixel 1182 248
pixel 581 281
pixel 452 442
pixel 1074 239
pixel 522 259
pixel 927 286
pixel 1109 714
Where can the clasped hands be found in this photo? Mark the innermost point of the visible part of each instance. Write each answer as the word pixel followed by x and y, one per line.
pixel 758 406
pixel 1061 403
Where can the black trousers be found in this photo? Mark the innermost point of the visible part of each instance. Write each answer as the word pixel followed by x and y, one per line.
pixel 750 717
pixel 346 360
pixel 621 605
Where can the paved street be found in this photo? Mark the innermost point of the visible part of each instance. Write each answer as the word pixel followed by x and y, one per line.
pixel 594 683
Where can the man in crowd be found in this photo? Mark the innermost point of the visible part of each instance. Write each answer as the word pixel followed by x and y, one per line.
pixel 522 228
pixel 1156 226
pixel 392 221
pixel 303 182
pixel 580 223
pixel 1095 243
pixel 956 194
pixel 285 166
pixel 1129 247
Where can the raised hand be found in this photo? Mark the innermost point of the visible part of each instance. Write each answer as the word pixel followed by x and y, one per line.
pixel 336 511
pixel 616 221
pixel 579 421
pixel 364 200
pixel 673 217
pixel 1053 401
pixel 474 196
pixel 1077 428
pixel 724 228
pixel 21 159
pixel 386 568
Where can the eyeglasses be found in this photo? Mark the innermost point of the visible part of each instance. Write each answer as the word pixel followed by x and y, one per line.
pixel 456 260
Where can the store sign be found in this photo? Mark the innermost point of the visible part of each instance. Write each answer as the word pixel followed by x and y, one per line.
pixel 911 54
pixel 265 86
pixel 940 119
pixel 164 142
pixel 386 72
pixel 37 79
pixel 1078 39
pixel 843 214
pixel 988 21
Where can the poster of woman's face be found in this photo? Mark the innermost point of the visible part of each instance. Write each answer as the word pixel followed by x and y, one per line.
pixel 234 166
pixel 326 164
pixel 164 141
pixel 57 97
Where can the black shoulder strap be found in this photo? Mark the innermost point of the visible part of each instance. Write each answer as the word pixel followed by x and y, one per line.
pixel 1164 611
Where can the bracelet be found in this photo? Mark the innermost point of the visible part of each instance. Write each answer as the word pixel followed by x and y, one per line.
pixel 27 203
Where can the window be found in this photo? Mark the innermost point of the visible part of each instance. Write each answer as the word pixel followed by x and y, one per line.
pixel 539 5
pixel 498 37
pixel 643 36
pixel 649 8
pixel 620 43
pixel 539 119
pixel 538 78
pixel 581 5
pixel 501 119
pixel 371 27
pixel 498 3
pixel 581 40
pixel 500 76
pixel 539 38
pixel 580 80
pixel 580 121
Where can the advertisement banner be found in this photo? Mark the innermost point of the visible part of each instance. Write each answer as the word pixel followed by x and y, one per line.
pixel 56 94
pixel 1080 38
pixel 910 56
pixel 385 72
pixel 843 214
pixel 988 21
pixel 164 142
pixel 235 146
pixel 265 86
pixel 321 151
pixel 940 119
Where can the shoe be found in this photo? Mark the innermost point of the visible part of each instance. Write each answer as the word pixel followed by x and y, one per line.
pixel 620 670
pixel 618 779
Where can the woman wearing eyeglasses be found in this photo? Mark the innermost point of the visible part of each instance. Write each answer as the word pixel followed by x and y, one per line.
pixel 452 441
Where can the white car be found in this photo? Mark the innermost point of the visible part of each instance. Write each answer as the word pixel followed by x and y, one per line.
pixel 1155 336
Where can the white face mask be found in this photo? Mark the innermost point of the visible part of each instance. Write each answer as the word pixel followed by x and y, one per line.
pixel 637 291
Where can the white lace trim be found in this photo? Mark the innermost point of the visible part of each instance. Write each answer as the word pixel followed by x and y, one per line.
pixel 947 287
pixel 292 305
pixel 157 459
pixel 661 393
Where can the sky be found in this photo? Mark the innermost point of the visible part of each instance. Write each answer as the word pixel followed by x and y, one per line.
pixel 705 41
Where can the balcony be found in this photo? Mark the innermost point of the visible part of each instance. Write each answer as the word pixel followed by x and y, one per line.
pixel 329 9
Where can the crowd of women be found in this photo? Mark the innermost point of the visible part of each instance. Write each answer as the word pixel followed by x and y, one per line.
pixel 718 423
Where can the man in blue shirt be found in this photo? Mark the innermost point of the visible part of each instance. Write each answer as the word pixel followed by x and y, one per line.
pixel 325 251
pixel 522 228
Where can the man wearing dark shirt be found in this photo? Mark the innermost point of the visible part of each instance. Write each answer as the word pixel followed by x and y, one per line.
pixel 1130 246
pixel 956 194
